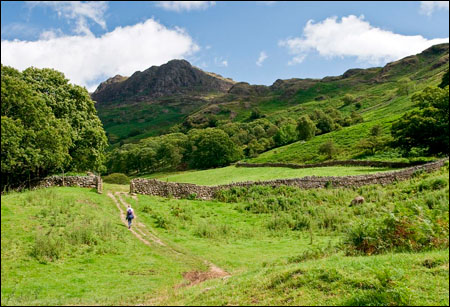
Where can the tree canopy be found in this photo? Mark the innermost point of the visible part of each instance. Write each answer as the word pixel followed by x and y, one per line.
pixel 48 125
pixel 426 127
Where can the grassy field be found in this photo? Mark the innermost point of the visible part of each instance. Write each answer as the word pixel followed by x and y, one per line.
pixel 284 246
pixel 67 246
pixel 237 174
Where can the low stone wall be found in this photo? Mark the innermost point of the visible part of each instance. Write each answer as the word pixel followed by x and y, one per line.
pixel 184 190
pixel 71 181
pixel 332 163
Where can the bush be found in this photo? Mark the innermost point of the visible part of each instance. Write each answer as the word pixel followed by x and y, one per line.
pixel 329 149
pixel 47 247
pixel 117 178
pixel 409 229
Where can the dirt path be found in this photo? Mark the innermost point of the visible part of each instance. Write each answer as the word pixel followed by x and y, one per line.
pixel 147 237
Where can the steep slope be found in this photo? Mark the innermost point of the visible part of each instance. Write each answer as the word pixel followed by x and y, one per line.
pixel 176 77
pixel 381 104
pixel 151 101
pixel 293 97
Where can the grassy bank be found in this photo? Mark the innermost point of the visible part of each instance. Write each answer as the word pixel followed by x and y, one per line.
pixel 282 246
pixel 237 174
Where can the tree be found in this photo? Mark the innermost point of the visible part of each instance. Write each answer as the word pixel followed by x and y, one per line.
pixel 404 86
pixel 256 113
pixel 329 149
pixel 306 128
pixel 212 147
pixel 356 118
pixel 374 142
pixel 286 134
pixel 48 125
pixel 428 126
pixel 444 81
pixel 348 99
pixel 375 131
pixel 324 122
pixel 72 103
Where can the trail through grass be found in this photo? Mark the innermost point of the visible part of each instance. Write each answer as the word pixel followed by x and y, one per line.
pixel 281 246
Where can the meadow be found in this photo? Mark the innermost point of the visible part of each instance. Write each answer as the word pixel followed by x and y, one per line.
pixel 231 174
pixel 281 246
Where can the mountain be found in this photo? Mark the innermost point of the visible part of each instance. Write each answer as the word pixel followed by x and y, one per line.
pixel 151 102
pixel 177 77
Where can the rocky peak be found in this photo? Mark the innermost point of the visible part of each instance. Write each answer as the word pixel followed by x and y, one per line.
pixel 173 78
pixel 105 84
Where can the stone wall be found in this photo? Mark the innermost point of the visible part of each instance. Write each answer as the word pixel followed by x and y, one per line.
pixel 332 163
pixel 184 190
pixel 91 181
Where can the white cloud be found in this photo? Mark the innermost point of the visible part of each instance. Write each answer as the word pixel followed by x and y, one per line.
pixel 179 6
pixel 297 59
pixel 262 57
pixel 428 7
pixel 219 61
pixel 77 11
pixel 86 59
pixel 352 36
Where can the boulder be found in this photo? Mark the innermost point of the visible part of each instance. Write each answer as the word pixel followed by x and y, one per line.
pixel 357 201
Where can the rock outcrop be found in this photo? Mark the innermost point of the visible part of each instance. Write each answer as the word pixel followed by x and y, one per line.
pixel 173 78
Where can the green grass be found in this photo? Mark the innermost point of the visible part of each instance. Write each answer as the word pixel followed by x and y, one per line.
pixel 275 263
pixel 231 174
pixel 388 280
pixel 100 262
pixel 283 246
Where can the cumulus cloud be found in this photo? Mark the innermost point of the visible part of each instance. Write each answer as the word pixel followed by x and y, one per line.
pixel 179 6
pixel 80 12
pixel 428 7
pixel 84 59
pixel 353 36
pixel 262 57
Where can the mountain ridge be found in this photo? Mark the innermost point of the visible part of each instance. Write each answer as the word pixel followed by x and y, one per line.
pixel 173 78
pixel 129 107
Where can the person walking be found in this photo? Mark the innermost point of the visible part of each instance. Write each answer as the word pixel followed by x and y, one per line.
pixel 130 216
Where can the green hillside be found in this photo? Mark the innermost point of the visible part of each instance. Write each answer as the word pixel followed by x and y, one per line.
pixel 348 117
pixel 231 174
pixel 278 246
pixel 375 91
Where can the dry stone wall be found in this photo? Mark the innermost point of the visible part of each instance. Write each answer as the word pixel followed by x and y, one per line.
pixel 186 190
pixel 332 163
pixel 70 181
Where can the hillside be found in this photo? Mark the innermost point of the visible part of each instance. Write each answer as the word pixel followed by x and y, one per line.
pixel 278 246
pixel 156 98
pixel 145 104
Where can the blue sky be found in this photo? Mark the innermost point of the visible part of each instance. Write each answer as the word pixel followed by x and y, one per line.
pixel 256 42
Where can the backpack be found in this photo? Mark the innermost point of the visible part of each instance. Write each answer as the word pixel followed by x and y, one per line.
pixel 129 213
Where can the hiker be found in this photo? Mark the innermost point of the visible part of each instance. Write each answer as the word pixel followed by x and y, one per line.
pixel 130 216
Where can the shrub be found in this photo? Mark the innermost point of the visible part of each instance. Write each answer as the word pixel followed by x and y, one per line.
pixel 348 99
pixel 162 221
pixel 329 149
pixel 409 229
pixel 192 196
pixel 204 230
pixel 117 178
pixel 47 247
